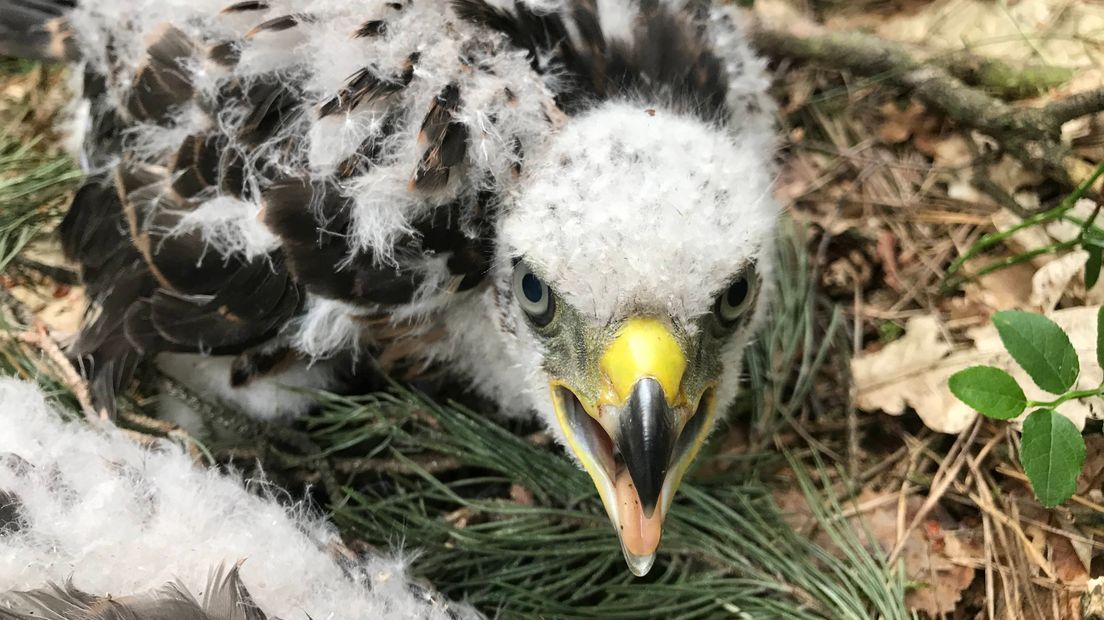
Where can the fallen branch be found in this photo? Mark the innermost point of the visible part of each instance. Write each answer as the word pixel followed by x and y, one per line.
pixel 1002 79
pixel 1031 135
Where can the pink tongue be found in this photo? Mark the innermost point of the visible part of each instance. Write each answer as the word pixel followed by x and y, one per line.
pixel 639 534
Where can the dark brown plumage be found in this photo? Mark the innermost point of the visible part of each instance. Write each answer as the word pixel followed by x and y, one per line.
pixel 666 58
pixel 445 140
pixel 155 287
pixel 365 86
pixel 10 521
pixel 278 24
pixel 163 82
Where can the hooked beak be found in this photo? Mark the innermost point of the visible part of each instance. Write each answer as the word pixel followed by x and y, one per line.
pixel 639 436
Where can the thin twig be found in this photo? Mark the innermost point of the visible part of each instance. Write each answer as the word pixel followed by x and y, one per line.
pixel 433 465
pixel 197 451
pixel 946 474
pixel 1077 499
pixel 39 337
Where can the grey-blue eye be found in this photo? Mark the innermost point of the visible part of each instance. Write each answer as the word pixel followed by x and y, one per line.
pixel 532 288
pixel 533 295
pixel 735 300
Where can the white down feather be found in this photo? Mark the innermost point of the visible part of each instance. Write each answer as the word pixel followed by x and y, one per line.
pixel 117 518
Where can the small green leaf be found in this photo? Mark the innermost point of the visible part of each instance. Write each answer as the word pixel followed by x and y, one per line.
pixel 1092 265
pixel 1100 337
pixel 1040 347
pixel 993 392
pixel 1052 453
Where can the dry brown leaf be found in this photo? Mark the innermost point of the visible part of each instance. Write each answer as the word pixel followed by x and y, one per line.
pixel 61 308
pixel 898 125
pixel 1092 603
pixel 1068 231
pixel 1061 276
pixel 951 153
pixel 913 371
pixel 1026 239
pixel 937 559
pixel 1092 475
pixel 1068 566
pixel 1006 288
pixel 952 160
pixel 521 495
pixel 1011 175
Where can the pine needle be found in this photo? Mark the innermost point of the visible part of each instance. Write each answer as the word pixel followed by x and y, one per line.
pixel 33 185
pixel 726 546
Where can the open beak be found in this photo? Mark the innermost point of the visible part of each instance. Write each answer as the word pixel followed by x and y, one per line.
pixel 637 439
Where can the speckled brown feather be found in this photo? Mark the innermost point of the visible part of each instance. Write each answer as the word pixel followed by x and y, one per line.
pixel 365 86
pixel 445 141
pixel 162 82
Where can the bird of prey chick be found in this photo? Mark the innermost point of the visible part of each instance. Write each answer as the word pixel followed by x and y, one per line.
pixel 563 203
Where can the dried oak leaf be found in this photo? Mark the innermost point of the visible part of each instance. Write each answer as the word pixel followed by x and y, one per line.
pixel 913 371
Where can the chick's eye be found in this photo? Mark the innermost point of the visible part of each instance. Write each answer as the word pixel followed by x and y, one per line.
pixel 734 301
pixel 533 295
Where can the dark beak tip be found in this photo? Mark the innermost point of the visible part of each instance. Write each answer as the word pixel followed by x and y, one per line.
pixel 646 441
pixel 648 508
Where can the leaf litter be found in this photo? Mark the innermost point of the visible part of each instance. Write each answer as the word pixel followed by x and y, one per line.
pixel 913 372
pixel 892 194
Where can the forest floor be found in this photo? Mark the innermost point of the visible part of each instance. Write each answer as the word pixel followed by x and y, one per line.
pixel 849 483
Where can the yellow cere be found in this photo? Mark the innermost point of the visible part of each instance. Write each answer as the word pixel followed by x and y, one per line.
pixel 644 348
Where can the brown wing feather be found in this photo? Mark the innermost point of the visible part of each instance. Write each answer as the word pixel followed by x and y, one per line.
pixel 445 140
pixel 255 302
pixel 156 288
pixel 312 221
pixel 162 82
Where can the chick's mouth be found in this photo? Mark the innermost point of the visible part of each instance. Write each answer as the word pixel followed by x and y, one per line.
pixel 600 455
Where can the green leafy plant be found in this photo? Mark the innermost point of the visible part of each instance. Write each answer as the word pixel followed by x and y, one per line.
pixel 1090 238
pixel 1052 451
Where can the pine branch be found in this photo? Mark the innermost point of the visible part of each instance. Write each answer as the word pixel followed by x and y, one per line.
pixel 33 186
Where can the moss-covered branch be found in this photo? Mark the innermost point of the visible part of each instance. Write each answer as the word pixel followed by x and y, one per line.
pixel 1001 79
pixel 1032 135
